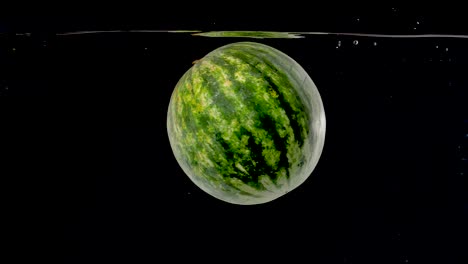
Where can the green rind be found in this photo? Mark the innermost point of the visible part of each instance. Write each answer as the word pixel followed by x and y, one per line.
pixel 240 125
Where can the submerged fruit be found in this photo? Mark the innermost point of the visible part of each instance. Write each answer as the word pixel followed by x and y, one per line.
pixel 246 123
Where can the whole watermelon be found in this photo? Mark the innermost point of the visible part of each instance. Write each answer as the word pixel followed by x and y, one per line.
pixel 246 123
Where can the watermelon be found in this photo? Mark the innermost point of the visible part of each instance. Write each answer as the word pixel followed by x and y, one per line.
pixel 246 123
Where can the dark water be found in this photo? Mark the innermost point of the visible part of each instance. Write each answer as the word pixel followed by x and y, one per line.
pixel 390 186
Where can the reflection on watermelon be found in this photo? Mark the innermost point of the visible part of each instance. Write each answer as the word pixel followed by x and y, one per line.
pixel 246 123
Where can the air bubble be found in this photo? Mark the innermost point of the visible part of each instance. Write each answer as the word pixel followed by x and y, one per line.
pixel 355 42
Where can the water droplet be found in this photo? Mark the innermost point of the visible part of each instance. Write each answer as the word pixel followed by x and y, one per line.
pixel 394 9
pixel 146 48
pixel 339 43
pixel 375 43
pixel 417 22
pixel 355 42
pixel 13 49
pixel 437 46
pixel 414 28
pixel 446 49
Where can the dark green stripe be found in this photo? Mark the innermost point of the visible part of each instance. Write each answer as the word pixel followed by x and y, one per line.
pixel 211 84
pixel 244 94
pixel 266 123
pixel 204 119
pixel 196 121
pixel 267 57
pixel 291 114
pixel 253 172
pixel 186 116
pixel 227 109
pixel 261 167
pixel 280 144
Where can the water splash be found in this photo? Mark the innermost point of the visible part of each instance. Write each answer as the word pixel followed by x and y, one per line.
pixel 387 35
pixel 257 34
pixel 249 34
pixel 124 31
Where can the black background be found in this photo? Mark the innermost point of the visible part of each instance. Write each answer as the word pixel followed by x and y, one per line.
pixel 390 186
